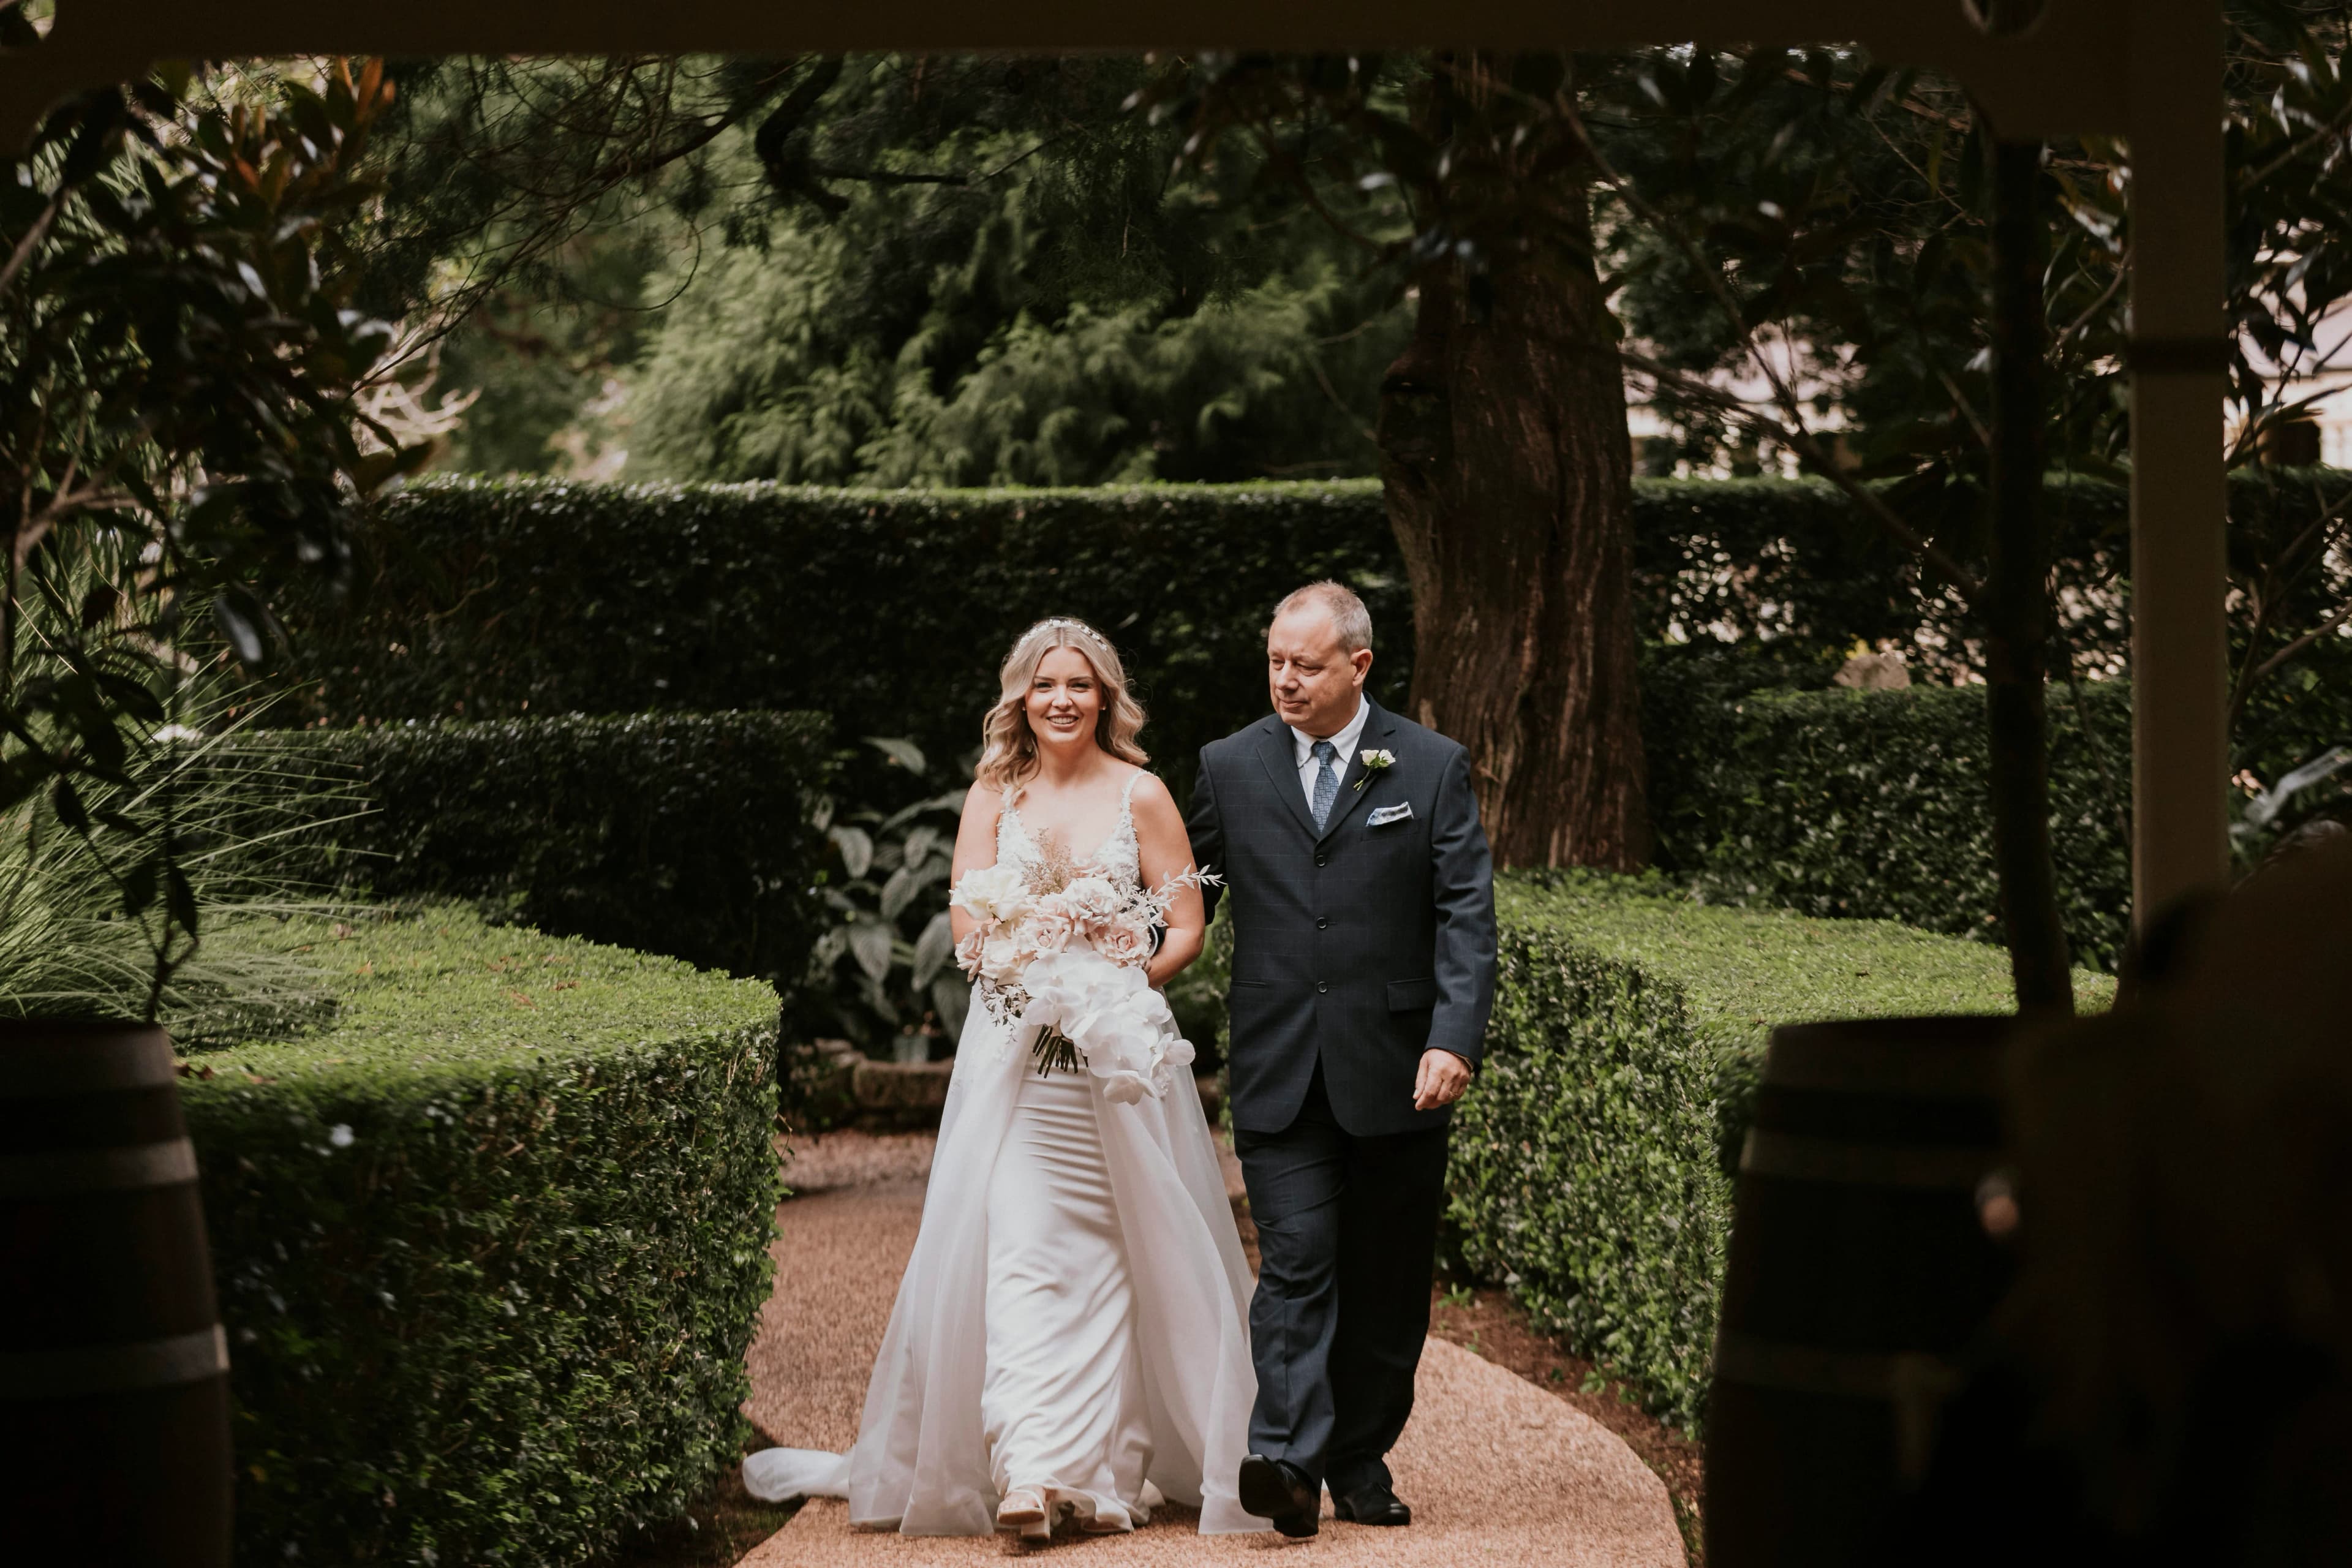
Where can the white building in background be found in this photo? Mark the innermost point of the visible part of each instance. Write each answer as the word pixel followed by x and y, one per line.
pixel 1817 398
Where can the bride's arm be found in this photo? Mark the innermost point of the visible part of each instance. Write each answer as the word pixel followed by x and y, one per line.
pixel 1167 851
pixel 975 847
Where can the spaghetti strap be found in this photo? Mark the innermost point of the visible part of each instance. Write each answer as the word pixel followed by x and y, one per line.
pixel 1127 795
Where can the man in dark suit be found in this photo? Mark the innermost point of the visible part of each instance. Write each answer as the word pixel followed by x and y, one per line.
pixel 1363 912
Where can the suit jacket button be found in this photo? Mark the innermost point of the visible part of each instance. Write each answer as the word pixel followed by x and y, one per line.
pixel 1322 921
pixel 1322 860
pixel 1322 985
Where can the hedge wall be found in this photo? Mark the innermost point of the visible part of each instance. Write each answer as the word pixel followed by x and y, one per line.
pixel 1873 804
pixel 490 1247
pixel 890 608
pixel 1589 1167
pixel 682 834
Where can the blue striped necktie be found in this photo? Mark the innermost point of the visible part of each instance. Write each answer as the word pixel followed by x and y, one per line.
pixel 1327 783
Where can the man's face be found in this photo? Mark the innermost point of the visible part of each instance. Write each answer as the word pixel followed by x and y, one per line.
pixel 1315 683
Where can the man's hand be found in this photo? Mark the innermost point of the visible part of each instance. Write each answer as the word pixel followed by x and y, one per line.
pixel 1443 1078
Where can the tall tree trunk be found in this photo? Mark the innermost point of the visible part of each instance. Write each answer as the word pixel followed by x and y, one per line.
pixel 2016 590
pixel 1508 471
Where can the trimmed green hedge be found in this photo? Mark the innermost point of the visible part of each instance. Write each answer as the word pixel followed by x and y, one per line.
pixel 1589 1166
pixel 1875 804
pixel 683 834
pixel 889 609
pixel 491 1247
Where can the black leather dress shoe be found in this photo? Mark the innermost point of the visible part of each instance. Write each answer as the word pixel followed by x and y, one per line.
pixel 1279 1491
pixel 1374 1504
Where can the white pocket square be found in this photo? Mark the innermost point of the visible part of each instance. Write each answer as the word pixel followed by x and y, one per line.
pixel 1388 813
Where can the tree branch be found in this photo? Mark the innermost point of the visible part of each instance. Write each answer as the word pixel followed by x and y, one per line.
pixel 2342 615
pixel 1803 441
pixel 1288 168
pixel 23 253
pixel 1794 433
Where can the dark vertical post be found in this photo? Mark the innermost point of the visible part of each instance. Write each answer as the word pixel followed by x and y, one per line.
pixel 2017 597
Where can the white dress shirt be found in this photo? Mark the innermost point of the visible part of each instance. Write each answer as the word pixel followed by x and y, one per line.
pixel 1344 741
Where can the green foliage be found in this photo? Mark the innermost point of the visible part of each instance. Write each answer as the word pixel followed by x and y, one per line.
pixel 774 374
pixel 505 597
pixel 891 898
pixel 1588 1168
pixel 179 433
pixel 1042 305
pixel 880 268
pixel 491 1247
pixel 242 808
pixel 544 374
pixel 1818 221
pixel 683 834
pixel 1873 804
pixel 888 609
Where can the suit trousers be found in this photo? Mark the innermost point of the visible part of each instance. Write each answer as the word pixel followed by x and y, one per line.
pixel 1347 1237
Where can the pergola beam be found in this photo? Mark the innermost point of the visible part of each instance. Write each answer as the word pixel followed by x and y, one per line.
pixel 2147 69
pixel 2066 75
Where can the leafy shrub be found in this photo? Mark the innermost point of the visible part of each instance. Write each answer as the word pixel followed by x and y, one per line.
pixel 683 834
pixel 888 609
pixel 500 598
pixel 1590 1166
pixel 1875 804
pixel 893 879
pixel 236 805
pixel 491 1247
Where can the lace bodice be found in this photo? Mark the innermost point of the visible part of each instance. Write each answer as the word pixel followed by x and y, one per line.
pixel 1119 856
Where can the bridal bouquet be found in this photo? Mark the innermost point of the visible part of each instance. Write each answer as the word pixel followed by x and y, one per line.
pixel 1060 950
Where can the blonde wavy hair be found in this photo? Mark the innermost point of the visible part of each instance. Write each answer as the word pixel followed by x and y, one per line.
pixel 1008 758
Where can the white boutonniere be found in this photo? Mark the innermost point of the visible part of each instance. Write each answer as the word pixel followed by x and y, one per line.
pixel 1374 762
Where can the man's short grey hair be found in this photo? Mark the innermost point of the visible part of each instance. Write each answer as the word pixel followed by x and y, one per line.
pixel 1348 616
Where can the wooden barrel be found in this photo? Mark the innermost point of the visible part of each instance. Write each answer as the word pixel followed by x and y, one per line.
pixel 113 1368
pixel 1860 1263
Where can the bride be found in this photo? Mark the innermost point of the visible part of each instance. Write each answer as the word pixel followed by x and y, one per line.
pixel 1070 1340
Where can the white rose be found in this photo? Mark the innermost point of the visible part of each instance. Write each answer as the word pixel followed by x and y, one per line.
pixel 992 895
pixel 1001 959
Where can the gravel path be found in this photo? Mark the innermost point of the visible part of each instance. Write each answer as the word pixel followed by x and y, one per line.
pixel 1497 1471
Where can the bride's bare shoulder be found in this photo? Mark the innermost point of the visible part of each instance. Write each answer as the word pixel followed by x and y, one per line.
pixel 982 806
pixel 1147 792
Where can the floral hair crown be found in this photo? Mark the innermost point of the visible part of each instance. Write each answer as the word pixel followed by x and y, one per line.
pixel 1080 627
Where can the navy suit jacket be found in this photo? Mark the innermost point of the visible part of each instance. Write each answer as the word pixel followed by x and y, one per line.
pixel 1357 946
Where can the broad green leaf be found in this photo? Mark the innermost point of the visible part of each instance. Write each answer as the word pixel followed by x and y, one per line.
pixel 932 950
pixel 870 946
pixel 951 999
pixel 901 888
pixel 899 750
pixel 856 848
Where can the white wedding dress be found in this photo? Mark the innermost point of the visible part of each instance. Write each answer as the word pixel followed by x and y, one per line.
pixel 1075 1317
